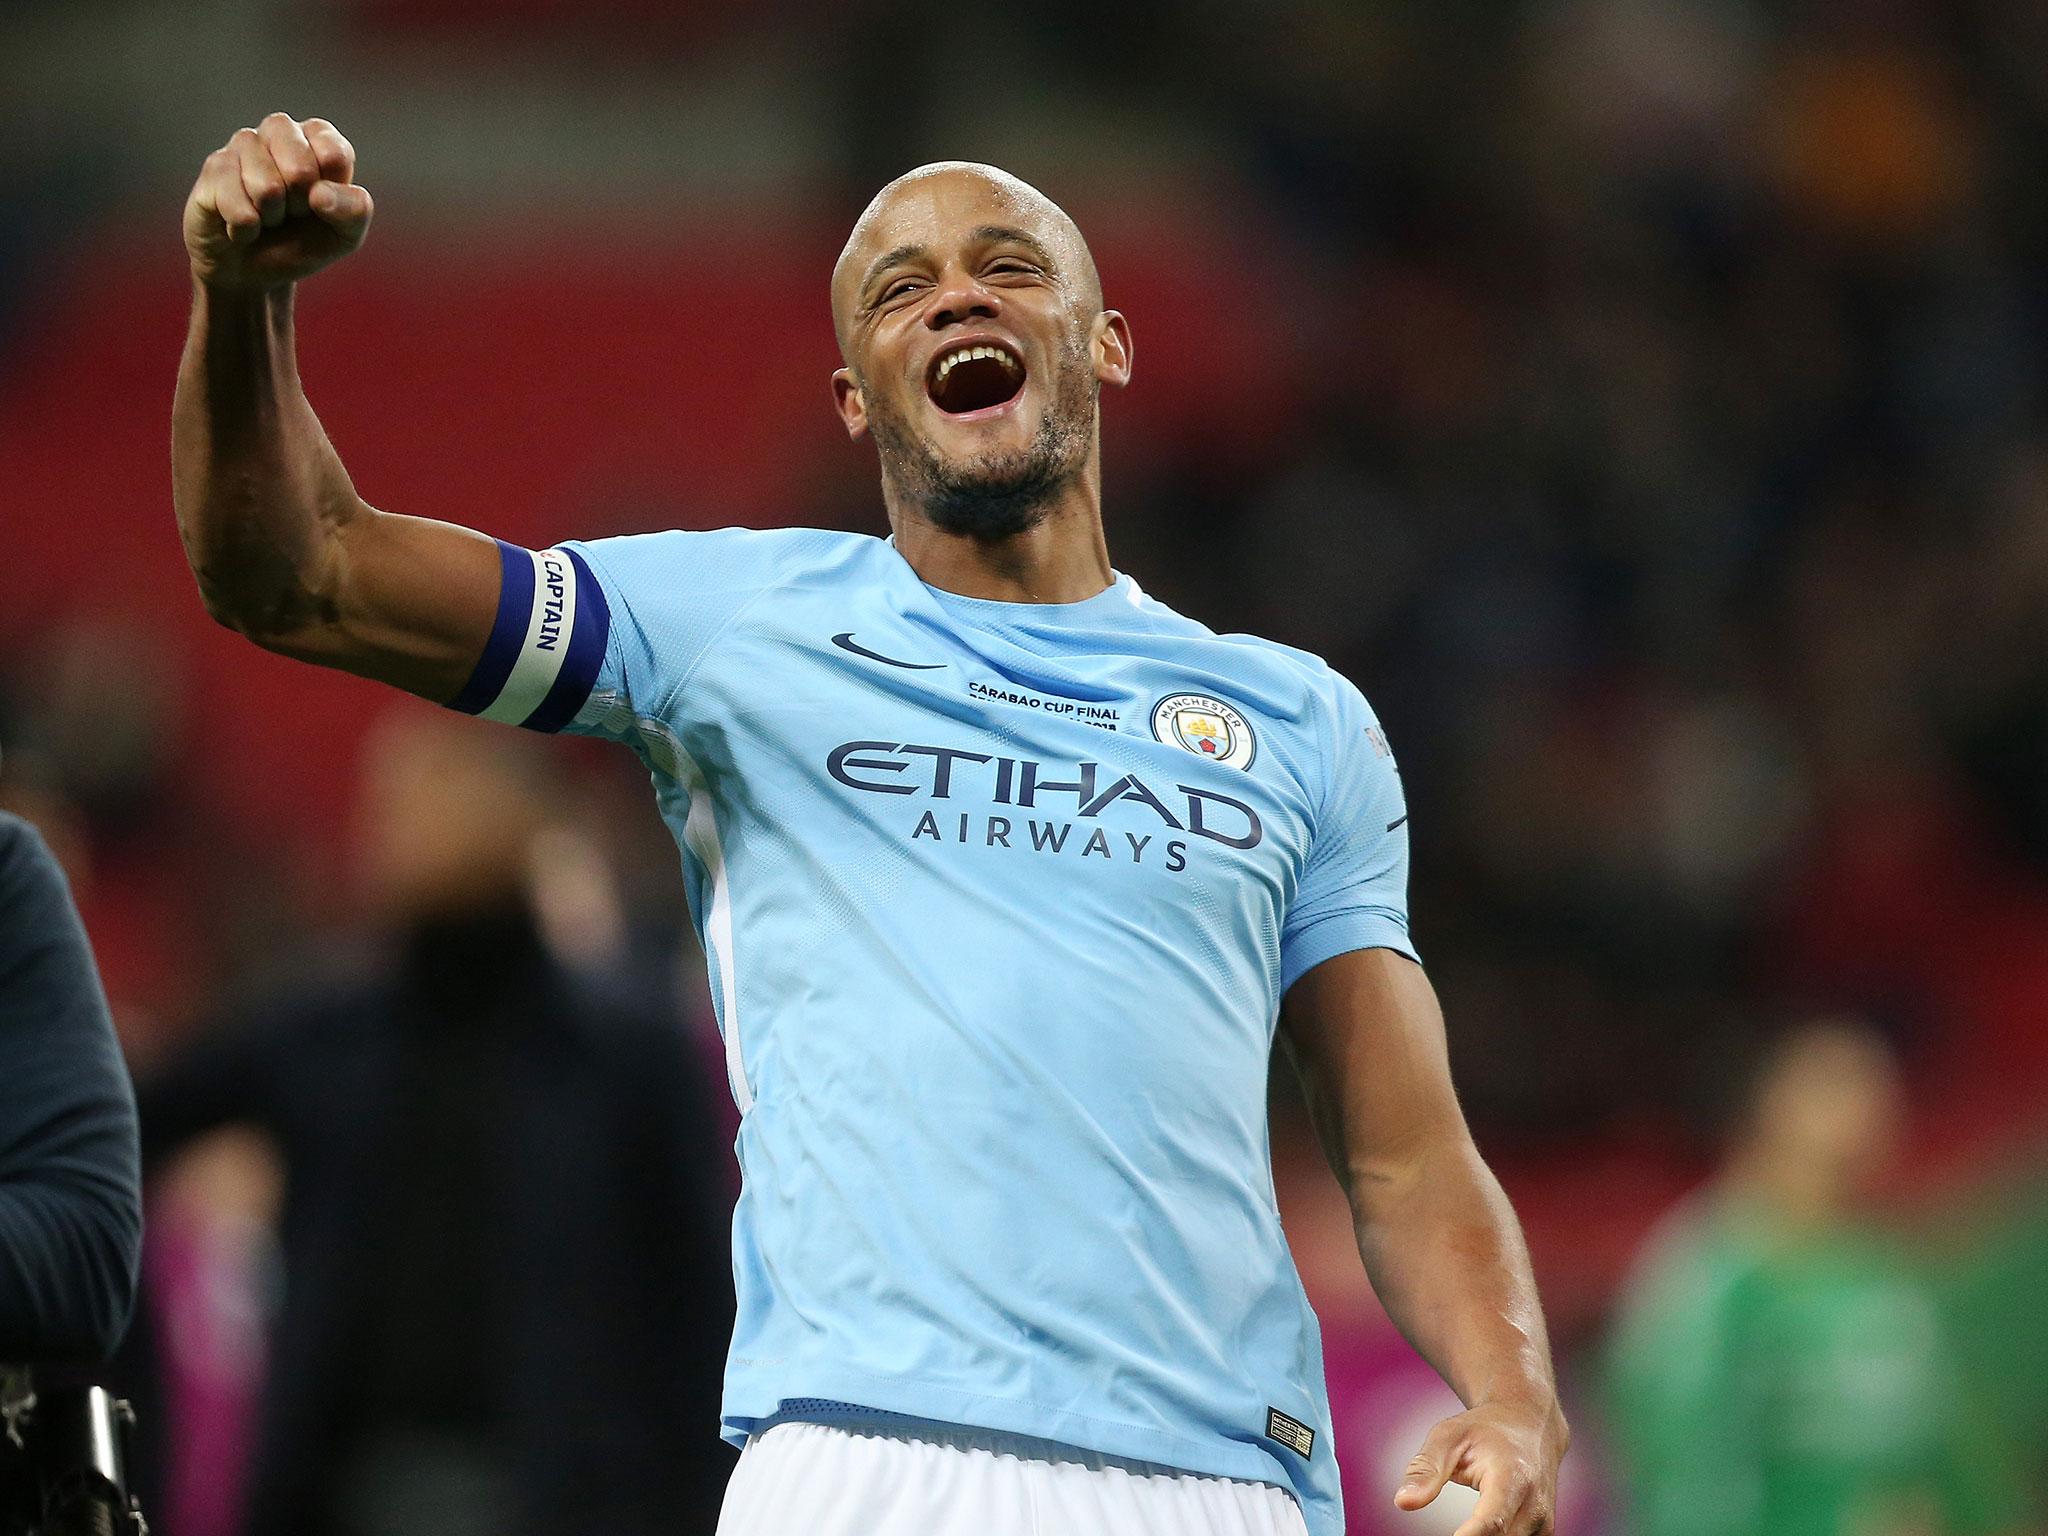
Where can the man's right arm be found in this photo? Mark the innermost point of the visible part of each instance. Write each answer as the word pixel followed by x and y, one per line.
pixel 284 549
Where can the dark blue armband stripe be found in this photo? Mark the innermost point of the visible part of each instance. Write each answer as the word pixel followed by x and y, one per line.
pixel 588 636
pixel 508 631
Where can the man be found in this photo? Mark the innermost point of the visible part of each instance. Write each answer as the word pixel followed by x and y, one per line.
pixel 1002 870
pixel 70 1180
pixel 499 1194
pixel 1778 1367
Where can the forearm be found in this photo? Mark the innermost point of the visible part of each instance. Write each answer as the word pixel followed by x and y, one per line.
pixel 67 1269
pixel 1446 1256
pixel 1439 1240
pixel 261 495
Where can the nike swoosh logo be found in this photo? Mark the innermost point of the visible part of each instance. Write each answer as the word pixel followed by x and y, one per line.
pixel 845 643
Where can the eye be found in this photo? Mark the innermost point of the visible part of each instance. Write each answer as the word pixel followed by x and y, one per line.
pixel 897 290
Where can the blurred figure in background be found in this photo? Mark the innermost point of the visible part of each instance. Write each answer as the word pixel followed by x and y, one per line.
pixel 70 1184
pixel 70 1191
pixel 503 1228
pixel 1779 1367
pixel 1992 1274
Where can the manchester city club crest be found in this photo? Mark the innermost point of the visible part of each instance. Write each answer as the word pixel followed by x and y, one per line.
pixel 1206 726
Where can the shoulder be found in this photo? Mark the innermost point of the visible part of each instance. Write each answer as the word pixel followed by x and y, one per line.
pixel 1281 680
pixel 321 994
pixel 1696 1259
pixel 684 560
pixel 32 885
pixel 23 853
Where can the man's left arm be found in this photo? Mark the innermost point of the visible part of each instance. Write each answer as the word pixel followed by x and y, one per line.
pixel 1438 1237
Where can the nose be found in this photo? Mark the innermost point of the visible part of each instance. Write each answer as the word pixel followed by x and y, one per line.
pixel 959 298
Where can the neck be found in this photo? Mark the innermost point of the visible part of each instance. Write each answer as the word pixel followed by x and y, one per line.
pixel 1062 558
pixel 1798 1195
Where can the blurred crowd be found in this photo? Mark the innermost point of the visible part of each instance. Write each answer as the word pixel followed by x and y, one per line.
pixel 1676 484
pixel 1658 434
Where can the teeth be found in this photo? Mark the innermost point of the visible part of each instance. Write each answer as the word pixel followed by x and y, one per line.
pixel 969 354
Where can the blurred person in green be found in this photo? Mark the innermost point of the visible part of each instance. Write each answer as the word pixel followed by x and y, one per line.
pixel 1778 1366
pixel 1992 1275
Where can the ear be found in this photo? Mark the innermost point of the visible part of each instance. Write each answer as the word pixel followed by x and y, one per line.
pixel 847 401
pixel 1110 343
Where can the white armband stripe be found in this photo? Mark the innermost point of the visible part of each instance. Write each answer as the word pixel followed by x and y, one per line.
pixel 546 645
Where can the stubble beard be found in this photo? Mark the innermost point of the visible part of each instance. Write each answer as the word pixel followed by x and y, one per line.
pixel 993 496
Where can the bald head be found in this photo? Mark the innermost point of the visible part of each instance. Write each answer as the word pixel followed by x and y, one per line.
pixel 916 210
pixel 975 343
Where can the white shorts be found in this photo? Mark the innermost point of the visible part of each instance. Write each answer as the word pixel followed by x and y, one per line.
pixel 862 1478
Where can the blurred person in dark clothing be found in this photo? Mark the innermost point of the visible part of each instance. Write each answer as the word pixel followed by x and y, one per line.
pixel 70 1182
pixel 1779 1367
pixel 503 1233
pixel 70 1187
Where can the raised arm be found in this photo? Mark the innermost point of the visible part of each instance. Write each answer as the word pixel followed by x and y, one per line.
pixel 284 549
pixel 1438 1237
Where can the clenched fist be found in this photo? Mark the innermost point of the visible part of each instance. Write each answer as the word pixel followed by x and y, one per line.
pixel 274 204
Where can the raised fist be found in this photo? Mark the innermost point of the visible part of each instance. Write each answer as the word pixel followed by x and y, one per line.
pixel 274 204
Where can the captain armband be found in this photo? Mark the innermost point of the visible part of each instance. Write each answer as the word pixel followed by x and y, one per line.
pixel 546 645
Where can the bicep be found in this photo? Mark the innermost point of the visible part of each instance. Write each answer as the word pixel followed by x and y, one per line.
pixel 1366 1036
pixel 403 600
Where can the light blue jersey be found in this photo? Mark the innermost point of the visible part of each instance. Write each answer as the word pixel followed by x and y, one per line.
pixel 999 901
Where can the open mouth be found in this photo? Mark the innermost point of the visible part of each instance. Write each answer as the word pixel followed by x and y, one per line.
pixel 977 376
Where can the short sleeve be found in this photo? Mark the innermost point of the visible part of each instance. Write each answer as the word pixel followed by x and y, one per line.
pixel 1354 889
pixel 592 636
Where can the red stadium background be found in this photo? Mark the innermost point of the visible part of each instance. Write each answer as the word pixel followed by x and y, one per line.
pixel 1646 406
